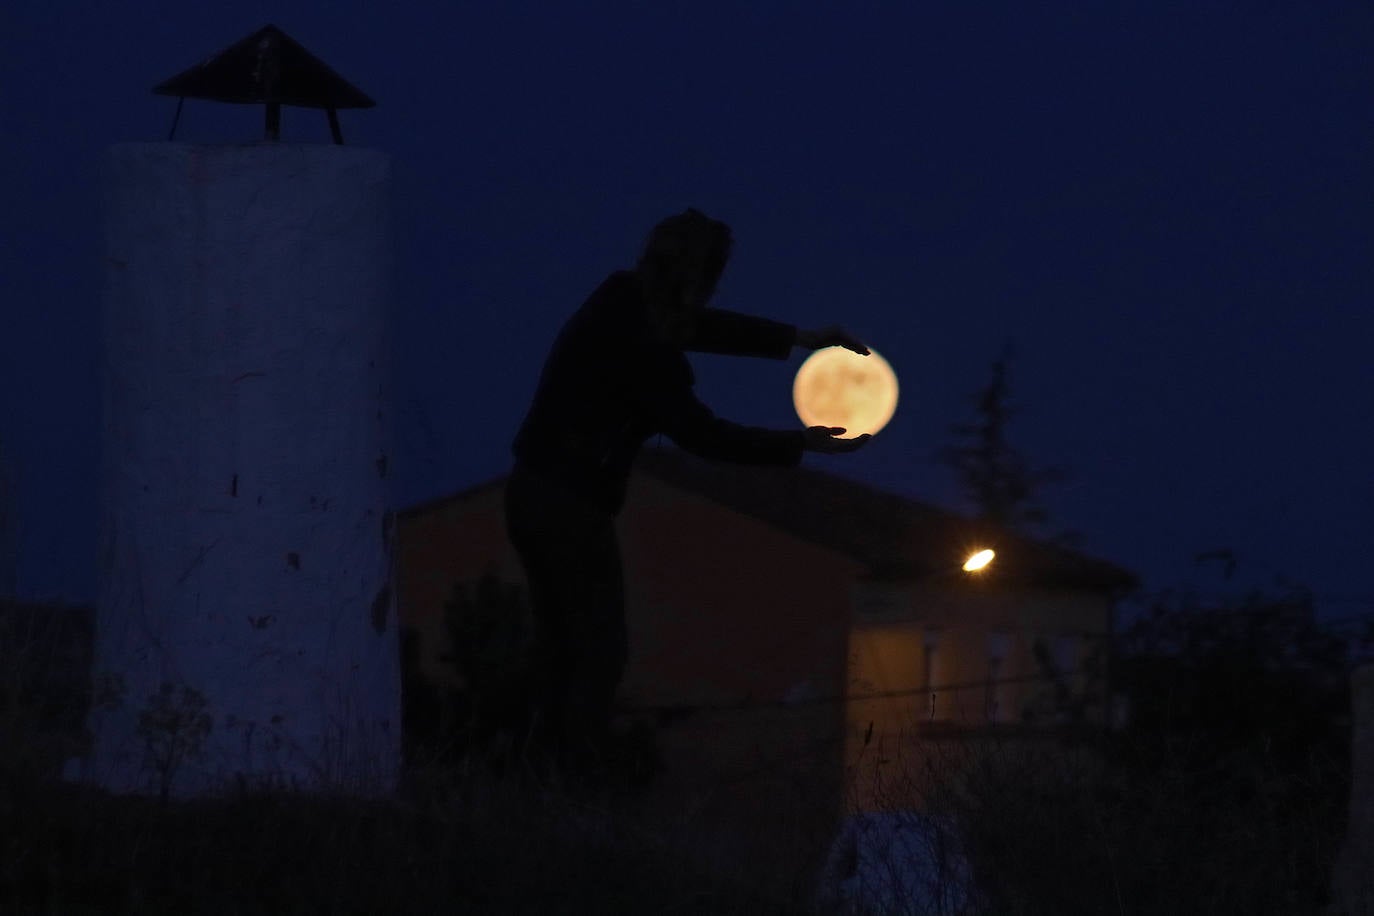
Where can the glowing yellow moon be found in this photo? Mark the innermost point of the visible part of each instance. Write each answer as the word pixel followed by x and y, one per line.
pixel 838 387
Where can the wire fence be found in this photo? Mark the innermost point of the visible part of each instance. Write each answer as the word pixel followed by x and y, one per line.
pixel 748 703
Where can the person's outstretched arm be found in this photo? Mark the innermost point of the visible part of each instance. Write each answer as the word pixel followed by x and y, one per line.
pixel 733 334
pixel 693 426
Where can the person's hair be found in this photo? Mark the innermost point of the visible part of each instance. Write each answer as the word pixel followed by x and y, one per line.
pixel 683 247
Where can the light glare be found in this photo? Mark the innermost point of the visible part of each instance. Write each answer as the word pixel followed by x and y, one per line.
pixel 979 560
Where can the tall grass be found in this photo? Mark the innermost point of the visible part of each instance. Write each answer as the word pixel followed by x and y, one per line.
pixel 460 835
pixel 1064 828
pixel 1046 829
pixel 471 844
pixel 1116 824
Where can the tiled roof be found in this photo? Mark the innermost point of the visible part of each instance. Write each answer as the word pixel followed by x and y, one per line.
pixel 894 536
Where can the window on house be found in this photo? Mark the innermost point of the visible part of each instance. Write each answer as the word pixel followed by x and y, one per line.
pixel 999 647
pixel 1051 679
pixel 930 677
pixel 991 701
pixel 1065 655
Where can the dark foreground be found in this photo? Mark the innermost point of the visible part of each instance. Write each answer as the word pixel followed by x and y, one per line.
pixel 474 846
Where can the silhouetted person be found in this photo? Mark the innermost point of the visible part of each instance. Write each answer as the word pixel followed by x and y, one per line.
pixel 615 376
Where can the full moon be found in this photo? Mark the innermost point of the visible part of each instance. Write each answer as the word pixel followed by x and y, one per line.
pixel 838 387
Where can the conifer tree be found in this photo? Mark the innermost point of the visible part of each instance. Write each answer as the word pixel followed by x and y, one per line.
pixel 997 479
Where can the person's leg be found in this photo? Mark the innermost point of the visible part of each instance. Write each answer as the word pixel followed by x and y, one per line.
pixel 597 638
pixel 529 527
pixel 572 561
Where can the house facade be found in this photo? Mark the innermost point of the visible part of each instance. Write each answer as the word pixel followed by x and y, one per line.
pixel 789 627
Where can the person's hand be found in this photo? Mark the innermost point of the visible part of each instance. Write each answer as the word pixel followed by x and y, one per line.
pixel 831 337
pixel 823 439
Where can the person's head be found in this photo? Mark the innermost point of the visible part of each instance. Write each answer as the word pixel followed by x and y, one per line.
pixel 681 264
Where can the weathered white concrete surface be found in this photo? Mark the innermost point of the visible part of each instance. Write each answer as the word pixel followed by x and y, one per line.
pixel 1353 878
pixel 246 529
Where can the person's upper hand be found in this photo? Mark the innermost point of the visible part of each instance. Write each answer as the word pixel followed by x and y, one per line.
pixel 824 439
pixel 832 336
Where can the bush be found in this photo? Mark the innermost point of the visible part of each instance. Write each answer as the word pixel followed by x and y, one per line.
pixel 1226 792
pixel 45 660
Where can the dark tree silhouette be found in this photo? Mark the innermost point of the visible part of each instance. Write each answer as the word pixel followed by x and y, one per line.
pixel 1242 705
pixel 997 479
pixel 489 636
pixel 1257 674
pixel 421 704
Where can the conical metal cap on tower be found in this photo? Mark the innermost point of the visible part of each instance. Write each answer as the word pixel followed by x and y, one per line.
pixel 271 68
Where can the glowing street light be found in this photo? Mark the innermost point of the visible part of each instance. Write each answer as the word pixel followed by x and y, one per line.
pixel 979 560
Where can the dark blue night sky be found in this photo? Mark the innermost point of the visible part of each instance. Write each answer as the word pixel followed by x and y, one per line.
pixel 1167 207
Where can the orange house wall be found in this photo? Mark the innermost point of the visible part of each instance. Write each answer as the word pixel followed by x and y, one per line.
pixel 969 616
pixel 451 542
pixel 888 657
pixel 724 609
pixel 720 608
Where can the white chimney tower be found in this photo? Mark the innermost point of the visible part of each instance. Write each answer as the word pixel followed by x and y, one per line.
pixel 246 627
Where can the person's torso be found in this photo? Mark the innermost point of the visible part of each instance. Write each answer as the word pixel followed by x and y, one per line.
pixel 600 393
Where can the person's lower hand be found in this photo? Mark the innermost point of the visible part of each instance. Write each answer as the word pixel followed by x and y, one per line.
pixel 824 439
